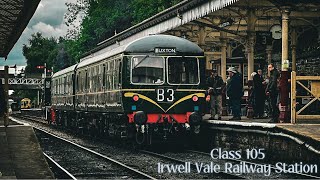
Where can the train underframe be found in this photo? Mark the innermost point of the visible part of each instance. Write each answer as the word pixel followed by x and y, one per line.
pixel 166 127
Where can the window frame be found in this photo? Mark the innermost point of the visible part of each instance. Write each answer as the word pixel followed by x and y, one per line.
pixel 167 68
pixel 164 70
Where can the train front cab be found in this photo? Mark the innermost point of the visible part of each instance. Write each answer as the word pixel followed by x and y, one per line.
pixel 25 103
pixel 163 90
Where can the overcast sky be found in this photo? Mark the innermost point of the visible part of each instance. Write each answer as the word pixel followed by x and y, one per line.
pixel 48 19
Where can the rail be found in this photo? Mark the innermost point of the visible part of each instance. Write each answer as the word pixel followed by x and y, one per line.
pixel 313 96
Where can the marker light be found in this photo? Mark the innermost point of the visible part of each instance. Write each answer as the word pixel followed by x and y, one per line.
pixel 135 97
pixel 195 98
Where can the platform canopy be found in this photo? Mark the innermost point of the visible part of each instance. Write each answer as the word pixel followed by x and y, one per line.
pixel 201 21
pixel 14 17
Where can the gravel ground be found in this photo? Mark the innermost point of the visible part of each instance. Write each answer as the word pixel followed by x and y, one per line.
pixel 81 164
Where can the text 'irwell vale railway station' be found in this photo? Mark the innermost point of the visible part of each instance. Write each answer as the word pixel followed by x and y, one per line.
pixel 204 89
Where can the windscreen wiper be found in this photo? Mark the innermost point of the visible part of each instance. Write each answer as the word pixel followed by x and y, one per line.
pixel 144 58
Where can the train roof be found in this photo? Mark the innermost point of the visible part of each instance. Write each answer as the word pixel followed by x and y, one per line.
pixel 25 99
pixel 97 58
pixel 64 71
pixel 149 43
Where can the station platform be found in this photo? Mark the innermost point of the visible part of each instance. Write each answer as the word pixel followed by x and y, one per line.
pixel 308 131
pixel 20 154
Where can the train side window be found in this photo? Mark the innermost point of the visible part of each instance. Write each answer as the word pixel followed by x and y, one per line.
pixel 93 79
pixel 104 77
pixel 89 77
pixel 78 83
pixel 66 88
pixel 108 77
pixel 100 84
pixel 82 82
pixel 68 84
pixel 116 74
pixel 59 85
pixel 59 88
pixel 97 82
pixel 113 74
pixel 65 85
pixel 182 70
pixel 71 84
pixel 119 72
pixel 56 86
pixel 86 82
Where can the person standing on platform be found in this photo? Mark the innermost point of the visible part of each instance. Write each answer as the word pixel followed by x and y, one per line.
pixel 259 95
pixel 235 92
pixel 215 83
pixel 272 92
pixel 2 102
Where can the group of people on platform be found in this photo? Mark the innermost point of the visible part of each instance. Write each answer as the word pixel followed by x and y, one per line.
pixel 261 91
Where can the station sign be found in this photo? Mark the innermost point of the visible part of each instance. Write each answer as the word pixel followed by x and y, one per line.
pixel 165 50
pixel 264 37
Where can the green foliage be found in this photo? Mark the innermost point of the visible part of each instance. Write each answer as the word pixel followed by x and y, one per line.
pixel 102 19
pixel 37 52
pixel 143 9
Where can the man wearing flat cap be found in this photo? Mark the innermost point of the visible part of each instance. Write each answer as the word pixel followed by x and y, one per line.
pixel 235 92
pixel 215 83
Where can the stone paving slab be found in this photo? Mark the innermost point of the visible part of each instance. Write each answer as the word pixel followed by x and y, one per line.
pixel 20 154
pixel 307 128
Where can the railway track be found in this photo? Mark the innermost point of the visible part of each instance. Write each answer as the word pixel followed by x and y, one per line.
pixel 82 162
pixel 58 169
pixel 31 118
pixel 142 161
pixel 195 156
pixel 152 162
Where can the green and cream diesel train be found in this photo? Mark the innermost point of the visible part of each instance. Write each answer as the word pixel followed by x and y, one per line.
pixel 153 87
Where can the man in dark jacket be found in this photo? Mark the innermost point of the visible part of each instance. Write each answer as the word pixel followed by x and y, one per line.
pixel 235 92
pixel 2 101
pixel 215 83
pixel 258 94
pixel 272 91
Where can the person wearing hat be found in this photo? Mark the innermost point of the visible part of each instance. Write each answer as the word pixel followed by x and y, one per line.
pixel 258 94
pixel 235 92
pixel 215 83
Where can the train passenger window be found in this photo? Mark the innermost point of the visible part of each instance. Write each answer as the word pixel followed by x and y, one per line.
pixel 108 76
pixel 104 76
pixel 183 70
pixel 65 85
pixel 78 83
pixel 85 87
pixel 59 86
pixel 116 74
pixel 112 74
pixel 56 86
pixel 147 70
